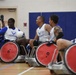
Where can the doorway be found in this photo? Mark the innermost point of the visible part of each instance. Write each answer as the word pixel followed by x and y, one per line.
pixel 9 13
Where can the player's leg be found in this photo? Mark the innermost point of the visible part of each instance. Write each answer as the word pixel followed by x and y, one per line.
pixel 31 43
pixel 22 41
pixel 63 44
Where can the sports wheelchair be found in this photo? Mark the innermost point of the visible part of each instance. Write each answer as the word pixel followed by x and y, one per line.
pixel 11 51
pixel 43 55
pixel 46 55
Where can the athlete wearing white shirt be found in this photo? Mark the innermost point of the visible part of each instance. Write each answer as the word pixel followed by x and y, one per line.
pixel 45 32
pixel 56 31
pixel 42 32
pixel 10 32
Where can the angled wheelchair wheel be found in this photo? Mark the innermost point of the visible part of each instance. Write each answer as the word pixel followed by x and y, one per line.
pixel 70 59
pixel 46 54
pixel 9 52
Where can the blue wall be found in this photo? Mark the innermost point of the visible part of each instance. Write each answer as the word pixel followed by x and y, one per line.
pixel 67 20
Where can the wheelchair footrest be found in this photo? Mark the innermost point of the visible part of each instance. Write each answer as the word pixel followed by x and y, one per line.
pixel 59 69
pixel 32 62
pixel 20 59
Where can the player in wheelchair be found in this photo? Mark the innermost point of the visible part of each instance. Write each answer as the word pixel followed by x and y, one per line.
pixel 67 66
pixel 14 42
pixel 46 35
pixel 67 49
pixel 46 32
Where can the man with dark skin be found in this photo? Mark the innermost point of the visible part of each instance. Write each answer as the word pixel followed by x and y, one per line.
pixel 10 33
pixel 42 32
pixel 53 21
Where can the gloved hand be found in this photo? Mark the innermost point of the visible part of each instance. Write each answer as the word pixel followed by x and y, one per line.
pixel 50 43
pixel 60 35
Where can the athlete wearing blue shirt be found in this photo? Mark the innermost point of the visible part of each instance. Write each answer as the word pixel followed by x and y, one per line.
pixel 2 36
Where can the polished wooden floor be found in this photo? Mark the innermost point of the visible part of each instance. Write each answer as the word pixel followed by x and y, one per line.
pixel 22 69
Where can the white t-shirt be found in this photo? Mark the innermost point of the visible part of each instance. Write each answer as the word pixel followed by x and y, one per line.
pixel 43 34
pixel 52 36
pixel 11 34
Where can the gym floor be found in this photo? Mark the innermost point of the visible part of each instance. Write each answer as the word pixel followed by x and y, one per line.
pixel 22 69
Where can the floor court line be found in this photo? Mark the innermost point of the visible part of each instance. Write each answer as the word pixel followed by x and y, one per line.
pixel 4 67
pixel 26 71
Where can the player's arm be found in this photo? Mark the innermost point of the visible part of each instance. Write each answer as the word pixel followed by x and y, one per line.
pixel 2 20
pixel 3 30
pixel 32 41
pixel 3 24
pixel 36 36
pixel 58 32
pixel 48 27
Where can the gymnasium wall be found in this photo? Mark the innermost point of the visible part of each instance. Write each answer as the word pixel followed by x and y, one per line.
pixel 24 7
pixel 67 21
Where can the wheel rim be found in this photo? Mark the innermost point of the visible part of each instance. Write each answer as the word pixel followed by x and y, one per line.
pixel 70 56
pixel 9 52
pixel 45 54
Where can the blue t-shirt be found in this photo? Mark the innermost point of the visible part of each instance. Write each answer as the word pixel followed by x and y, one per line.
pixel 2 32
